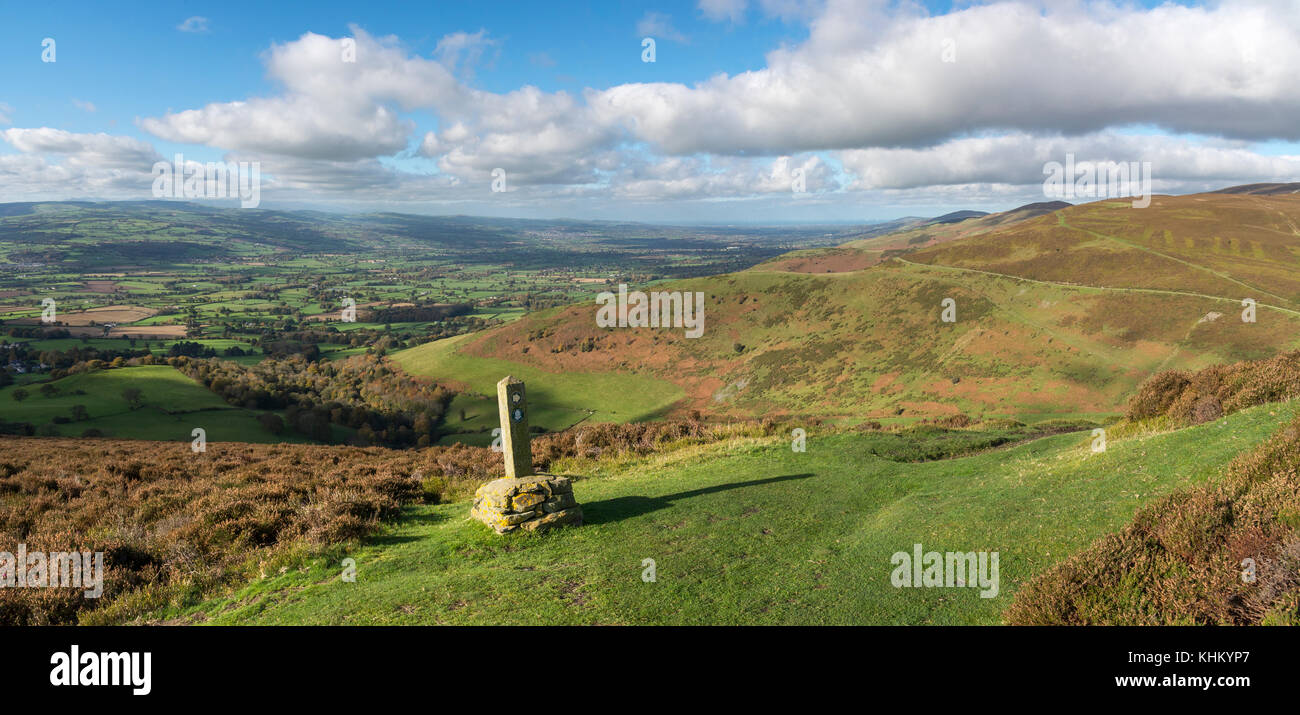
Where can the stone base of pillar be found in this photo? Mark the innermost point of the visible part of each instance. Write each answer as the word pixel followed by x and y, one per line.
pixel 536 503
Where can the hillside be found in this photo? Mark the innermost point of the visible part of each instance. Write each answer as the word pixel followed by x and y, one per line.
pixel 1058 313
pixel 749 532
pixel 1224 552
pixel 171 406
pixel 1234 244
pixel 908 235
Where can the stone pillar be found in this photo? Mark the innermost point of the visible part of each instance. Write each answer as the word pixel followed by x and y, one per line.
pixel 513 408
pixel 523 500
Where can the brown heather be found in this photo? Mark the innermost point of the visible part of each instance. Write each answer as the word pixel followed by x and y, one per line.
pixel 1181 558
pixel 1206 395
pixel 175 526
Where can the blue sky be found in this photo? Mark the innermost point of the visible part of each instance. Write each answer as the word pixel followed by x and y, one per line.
pixel 744 99
pixel 130 60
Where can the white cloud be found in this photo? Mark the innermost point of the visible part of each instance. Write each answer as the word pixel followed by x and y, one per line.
pixel 84 106
pixel 463 50
pixel 53 163
pixel 330 109
pixel 868 76
pixel 194 24
pixel 6 111
pixel 660 27
pixel 1018 159
pixel 722 177
pixel 869 88
pixel 719 10
pixel 90 150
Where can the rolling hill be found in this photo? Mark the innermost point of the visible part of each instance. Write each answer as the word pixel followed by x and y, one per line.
pixel 1059 311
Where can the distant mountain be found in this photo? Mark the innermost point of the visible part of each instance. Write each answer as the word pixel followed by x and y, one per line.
pixel 957 216
pixel 1040 208
pixel 1261 189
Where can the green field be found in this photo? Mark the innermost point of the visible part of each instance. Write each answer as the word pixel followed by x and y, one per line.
pixel 558 400
pixel 750 532
pixel 173 405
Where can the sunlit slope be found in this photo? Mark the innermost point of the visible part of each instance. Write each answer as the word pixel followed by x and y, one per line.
pixel 1063 313
pixel 871 344
pixel 1231 245
pixel 558 400
pixel 865 252
pixel 749 532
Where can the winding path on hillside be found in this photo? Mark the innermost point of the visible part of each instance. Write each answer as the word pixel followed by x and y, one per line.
pixel 1077 286
pixel 1060 219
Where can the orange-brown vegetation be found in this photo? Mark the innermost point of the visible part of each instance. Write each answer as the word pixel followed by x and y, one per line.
pixel 1205 395
pixel 174 525
pixel 1227 552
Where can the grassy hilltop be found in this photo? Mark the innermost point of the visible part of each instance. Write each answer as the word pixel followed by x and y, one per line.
pixel 749 532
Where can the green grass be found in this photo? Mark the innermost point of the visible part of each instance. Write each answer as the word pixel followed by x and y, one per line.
pixel 173 405
pixel 750 532
pixel 557 400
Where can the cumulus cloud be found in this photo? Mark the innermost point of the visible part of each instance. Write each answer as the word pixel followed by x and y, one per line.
pixel 330 109
pixel 90 150
pixel 723 177
pixel 871 76
pixel 872 89
pixel 1019 158
pixel 53 163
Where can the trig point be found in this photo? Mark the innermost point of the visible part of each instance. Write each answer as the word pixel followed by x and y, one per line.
pixel 522 500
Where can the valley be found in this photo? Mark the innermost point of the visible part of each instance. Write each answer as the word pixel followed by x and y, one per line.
pixel 945 380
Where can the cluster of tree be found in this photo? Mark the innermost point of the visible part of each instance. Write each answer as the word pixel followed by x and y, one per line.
pixel 22 331
pixel 189 348
pixel 418 313
pixel 281 349
pixel 66 359
pixel 363 393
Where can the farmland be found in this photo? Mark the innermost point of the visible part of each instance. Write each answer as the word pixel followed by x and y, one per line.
pixel 87 284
